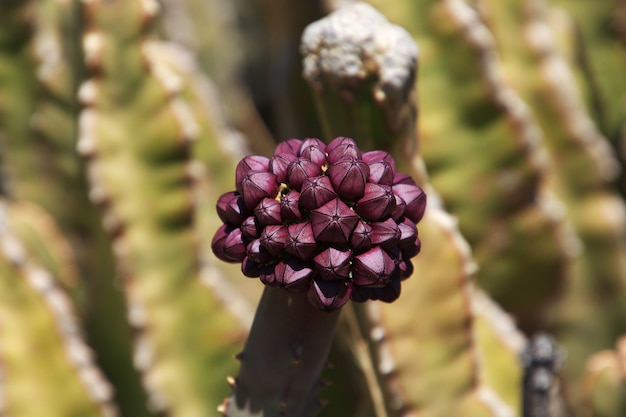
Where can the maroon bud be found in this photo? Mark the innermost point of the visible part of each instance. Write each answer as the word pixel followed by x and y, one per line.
pixel 222 205
pixel 250 163
pixel 273 239
pixel 268 212
pixel 279 163
pixel 316 192
pixel 377 203
pixel 382 167
pixel 256 186
pixel 333 264
pixel 250 229
pixel 415 200
pixel 228 245
pixel 405 268
pixel 329 295
pixel 293 275
pixel 314 150
pixel 401 178
pixel 361 294
pixel 338 141
pixel 372 268
pixel 408 234
pixel 412 250
pixel 361 238
pixel 333 222
pixel 341 152
pixel 398 211
pixel 250 268
pixel 290 206
pixel 348 178
pixel 300 169
pixel 267 275
pixel 289 146
pixel 390 292
pixel 385 234
pixel 300 240
pixel 256 252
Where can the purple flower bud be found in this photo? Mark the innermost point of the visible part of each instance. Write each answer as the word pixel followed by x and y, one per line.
pixel 329 295
pixel 377 203
pixel 415 200
pixel 361 238
pixel 268 212
pixel 273 239
pixel 390 292
pixel 312 142
pixel 256 252
pixel 222 205
pixel 333 222
pixel 250 268
pixel 412 250
pixel 385 234
pixel 250 163
pixel 401 178
pixel 300 240
pixel 341 152
pixel 405 268
pixel 289 146
pixel 408 235
pixel 361 294
pixel 300 169
pixel 339 141
pixel 250 229
pixel 314 154
pixel 228 245
pixel 382 167
pixel 290 206
pixel 316 192
pixel 279 163
pixel 398 211
pixel 267 275
pixel 372 268
pixel 348 178
pixel 293 275
pixel 333 264
pixel 256 186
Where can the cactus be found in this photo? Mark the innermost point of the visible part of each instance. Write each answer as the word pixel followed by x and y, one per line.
pixel 122 124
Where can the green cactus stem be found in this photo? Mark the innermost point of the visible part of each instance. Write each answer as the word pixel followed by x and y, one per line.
pixel 43 352
pixel 289 343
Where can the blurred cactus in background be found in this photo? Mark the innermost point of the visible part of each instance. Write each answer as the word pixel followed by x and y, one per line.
pixel 122 123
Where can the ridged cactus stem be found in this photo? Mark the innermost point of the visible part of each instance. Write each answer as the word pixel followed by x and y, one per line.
pixel 283 358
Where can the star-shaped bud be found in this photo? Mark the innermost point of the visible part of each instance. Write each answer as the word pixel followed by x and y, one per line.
pixel 231 208
pixel 301 169
pixel 333 264
pixel 415 200
pixel 408 237
pixel 290 206
pixel 334 222
pixel 348 178
pixel 382 167
pixel 401 178
pixel 361 238
pixel 398 211
pixel 279 163
pixel 386 233
pixel 293 275
pixel 289 146
pixel 316 192
pixel 314 150
pixel 256 252
pixel 339 141
pixel 273 239
pixel 329 295
pixel 268 276
pixel 228 245
pixel 250 229
pixel 372 268
pixel 341 152
pixel 268 212
pixel 250 268
pixel 377 202
pixel 300 241
pixel 361 294
pixel 250 163
pixel 256 186
pixel 390 292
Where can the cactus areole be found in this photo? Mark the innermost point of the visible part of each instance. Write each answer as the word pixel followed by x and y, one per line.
pixel 328 220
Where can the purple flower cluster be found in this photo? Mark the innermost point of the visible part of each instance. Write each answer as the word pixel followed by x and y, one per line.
pixel 330 220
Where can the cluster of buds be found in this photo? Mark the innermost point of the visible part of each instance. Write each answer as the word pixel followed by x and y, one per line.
pixel 324 219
